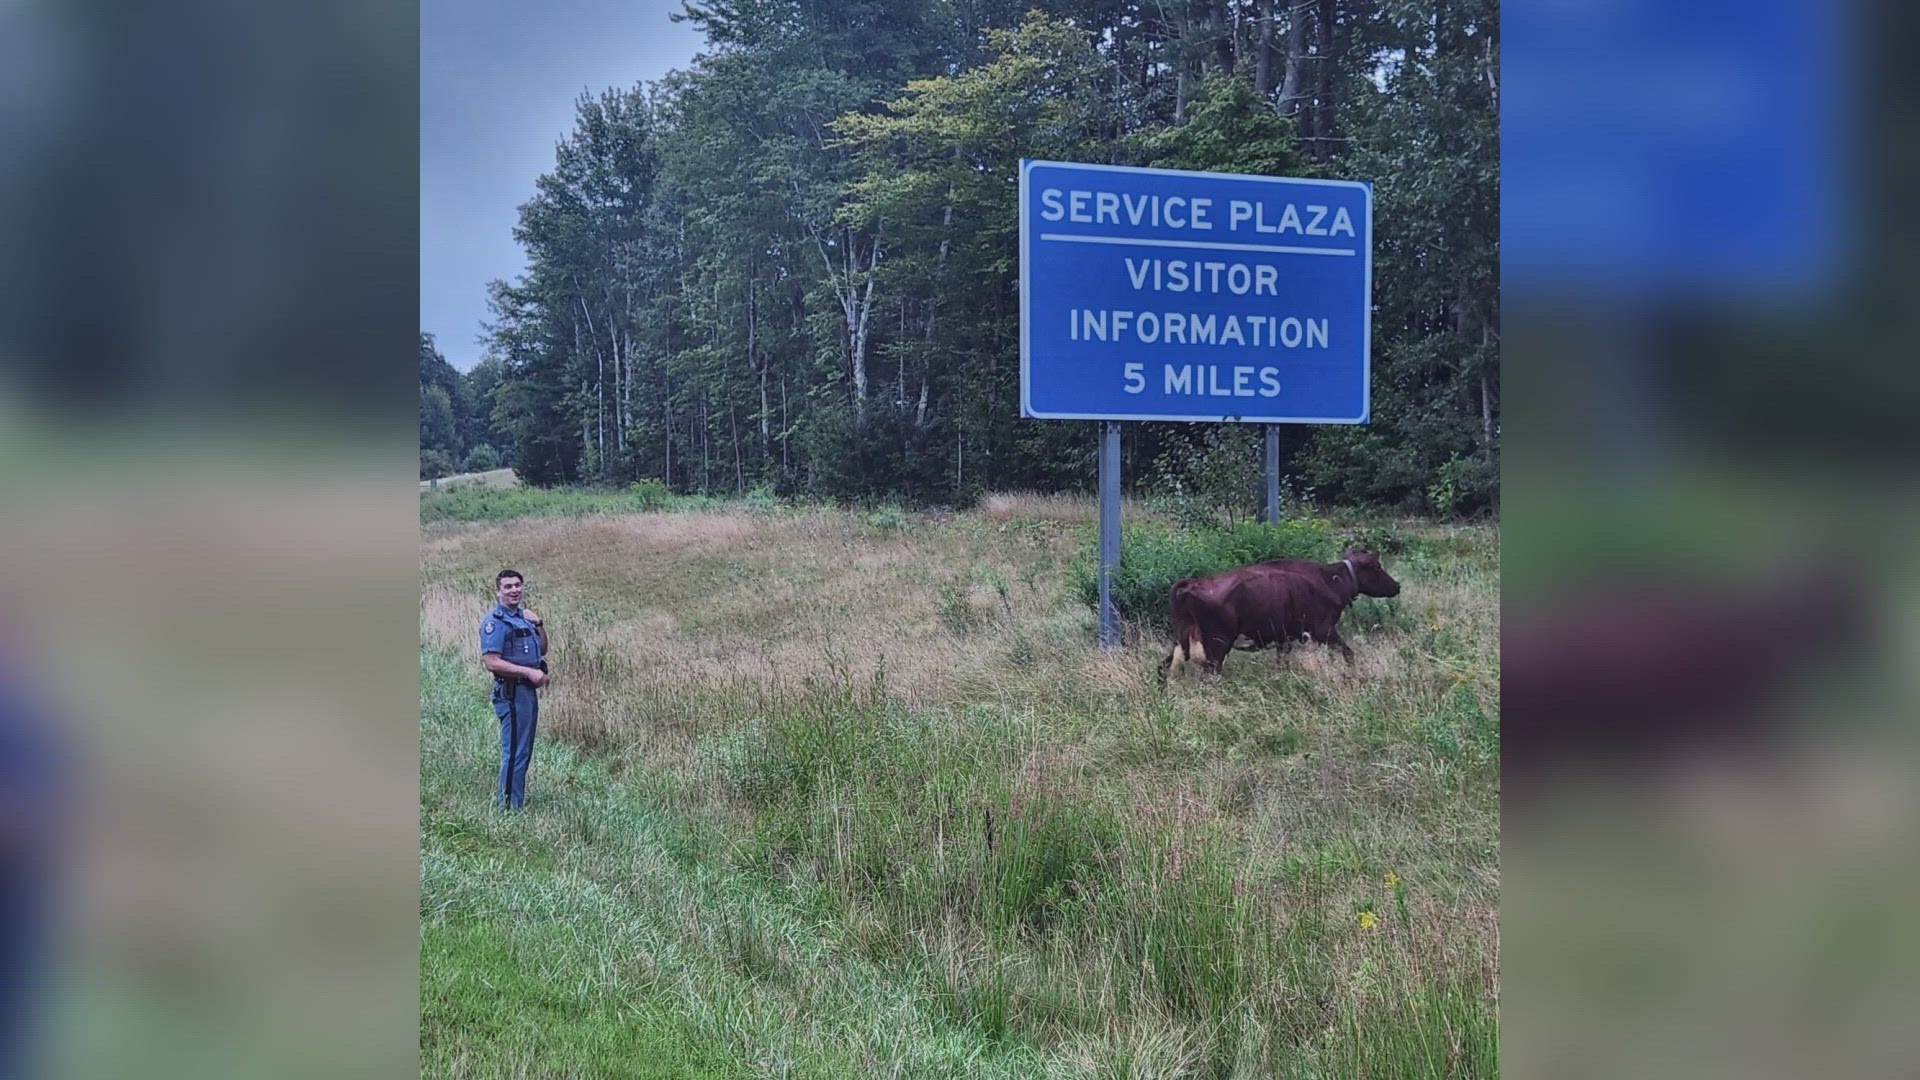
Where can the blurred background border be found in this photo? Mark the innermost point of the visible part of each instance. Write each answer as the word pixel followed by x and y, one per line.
pixel 208 681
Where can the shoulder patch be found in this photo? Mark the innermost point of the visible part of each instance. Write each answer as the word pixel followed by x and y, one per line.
pixel 488 628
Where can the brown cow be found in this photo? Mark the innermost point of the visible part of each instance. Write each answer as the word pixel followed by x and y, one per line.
pixel 1276 602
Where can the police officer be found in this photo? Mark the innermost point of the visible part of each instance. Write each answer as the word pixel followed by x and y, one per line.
pixel 513 646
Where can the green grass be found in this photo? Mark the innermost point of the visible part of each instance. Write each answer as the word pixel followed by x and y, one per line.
pixel 944 836
pixel 469 501
pixel 493 1006
pixel 1154 555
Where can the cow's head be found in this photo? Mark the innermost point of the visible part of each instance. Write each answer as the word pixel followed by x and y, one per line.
pixel 1368 574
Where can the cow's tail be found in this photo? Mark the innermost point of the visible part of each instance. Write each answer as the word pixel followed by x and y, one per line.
pixel 1187 646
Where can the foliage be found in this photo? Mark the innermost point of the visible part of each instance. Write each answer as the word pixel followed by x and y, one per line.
pixel 464 502
pixel 648 494
pixel 1153 557
pixel 482 458
pixel 435 464
pixel 1214 472
pixel 896 853
pixel 794 265
pixel 888 519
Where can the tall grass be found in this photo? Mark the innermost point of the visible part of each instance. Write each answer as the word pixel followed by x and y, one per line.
pixel 1036 868
pixel 469 502
pixel 1154 555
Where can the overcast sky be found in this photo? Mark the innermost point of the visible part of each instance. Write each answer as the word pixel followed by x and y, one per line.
pixel 498 81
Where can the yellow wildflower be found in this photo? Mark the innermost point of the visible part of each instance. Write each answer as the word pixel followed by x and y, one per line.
pixel 1367 920
pixel 1392 879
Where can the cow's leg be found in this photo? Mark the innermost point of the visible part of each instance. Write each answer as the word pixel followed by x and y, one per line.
pixel 1333 641
pixel 1171 663
pixel 1217 647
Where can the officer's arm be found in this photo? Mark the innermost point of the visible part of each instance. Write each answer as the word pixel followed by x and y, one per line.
pixel 500 665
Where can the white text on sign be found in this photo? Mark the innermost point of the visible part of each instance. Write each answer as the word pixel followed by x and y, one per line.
pixel 1094 207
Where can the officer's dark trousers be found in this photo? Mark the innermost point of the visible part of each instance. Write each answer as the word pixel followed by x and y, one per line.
pixel 519 709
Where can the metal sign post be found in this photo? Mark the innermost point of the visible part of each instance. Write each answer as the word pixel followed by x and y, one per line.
pixel 1270 462
pixel 1109 530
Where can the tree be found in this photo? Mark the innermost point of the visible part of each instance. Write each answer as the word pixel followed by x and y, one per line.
pixel 795 262
pixel 440 389
pixel 1427 134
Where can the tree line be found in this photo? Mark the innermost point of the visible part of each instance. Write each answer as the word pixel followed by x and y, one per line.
pixel 794 264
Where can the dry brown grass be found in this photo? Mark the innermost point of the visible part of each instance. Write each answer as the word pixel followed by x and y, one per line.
pixel 716 597
pixel 1073 510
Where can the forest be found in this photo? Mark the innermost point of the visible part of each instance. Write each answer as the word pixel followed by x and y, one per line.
pixel 792 267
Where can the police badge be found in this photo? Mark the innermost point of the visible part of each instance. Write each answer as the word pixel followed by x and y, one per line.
pixel 487 629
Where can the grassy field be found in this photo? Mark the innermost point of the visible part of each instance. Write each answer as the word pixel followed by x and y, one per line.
pixel 493 478
pixel 825 793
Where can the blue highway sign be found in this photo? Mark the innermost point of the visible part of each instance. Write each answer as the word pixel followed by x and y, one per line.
pixel 1156 294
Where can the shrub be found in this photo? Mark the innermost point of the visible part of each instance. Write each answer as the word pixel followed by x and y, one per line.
pixel 1207 475
pixel 762 499
pixel 648 494
pixel 435 464
pixel 1153 557
pixel 955 606
pixel 1463 485
pixel 888 519
pixel 482 458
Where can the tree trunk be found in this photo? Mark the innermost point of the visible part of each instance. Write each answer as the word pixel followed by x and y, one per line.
pixel 766 434
pixel 599 383
pixel 586 432
pixel 1325 72
pixel 626 385
pixel 1493 74
pixel 1291 80
pixel 619 390
pixel 1263 52
pixel 1486 396
pixel 1182 43
pixel 666 408
pixel 758 363
pixel 739 470
pixel 856 304
pixel 1226 37
pixel 860 330
pixel 933 302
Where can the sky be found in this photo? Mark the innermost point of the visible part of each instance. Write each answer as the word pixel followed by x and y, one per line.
pixel 498 82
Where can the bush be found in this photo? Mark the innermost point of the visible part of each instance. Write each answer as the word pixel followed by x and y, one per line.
pixel 888 519
pixel 762 499
pixel 1464 485
pixel 482 458
pixel 435 464
pixel 955 606
pixel 648 494
pixel 1153 557
pixel 1218 473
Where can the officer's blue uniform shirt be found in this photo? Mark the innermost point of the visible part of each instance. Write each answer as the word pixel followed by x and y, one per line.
pixel 511 635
